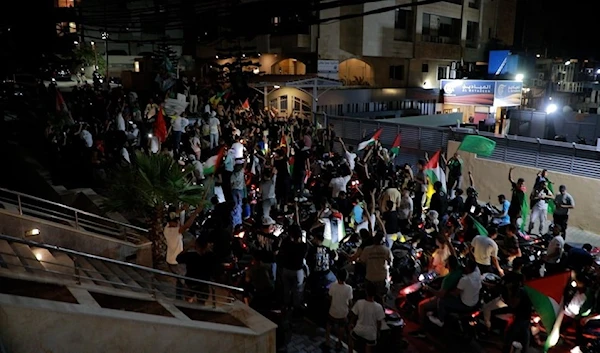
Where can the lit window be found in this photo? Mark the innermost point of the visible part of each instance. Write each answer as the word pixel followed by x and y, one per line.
pixel 136 66
pixel 72 27
pixel 276 21
pixel 65 3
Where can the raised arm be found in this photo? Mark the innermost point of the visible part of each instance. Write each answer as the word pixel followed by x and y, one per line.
pixel 190 221
pixel 510 178
pixel 471 182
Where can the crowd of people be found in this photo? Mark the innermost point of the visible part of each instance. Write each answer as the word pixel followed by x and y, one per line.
pixel 302 190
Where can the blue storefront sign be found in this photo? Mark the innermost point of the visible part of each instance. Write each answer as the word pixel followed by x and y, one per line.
pixel 482 92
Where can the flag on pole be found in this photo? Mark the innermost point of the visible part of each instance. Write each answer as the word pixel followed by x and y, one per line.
pixel 395 150
pixel 524 212
pixel 479 145
pixel 551 204
pixel 371 141
pixel 434 172
pixel 545 294
pixel 246 105
pixel 160 127
pixel 212 164
pixel 480 228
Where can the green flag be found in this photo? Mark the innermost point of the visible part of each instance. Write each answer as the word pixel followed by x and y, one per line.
pixel 551 204
pixel 480 228
pixel 524 213
pixel 479 145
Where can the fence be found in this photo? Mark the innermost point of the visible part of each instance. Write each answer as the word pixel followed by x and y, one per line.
pixel 575 159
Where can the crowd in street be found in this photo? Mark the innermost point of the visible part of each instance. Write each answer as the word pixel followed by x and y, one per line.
pixel 303 190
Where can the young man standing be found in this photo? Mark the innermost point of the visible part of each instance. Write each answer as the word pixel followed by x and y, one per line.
pixel 340 295
pixel 368 316
pixel 564 203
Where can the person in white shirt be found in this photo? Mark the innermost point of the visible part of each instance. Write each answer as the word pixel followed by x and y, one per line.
pixel 120 122
pixel 555 247
pixel 338 185
pixel 214 126
pixel 178 127
pixel 340 295
pixel 196 146
pixel 87 138
pixel 485 250
pixel 198 168
pixel 125 154
pixel 267 189
pixel 134 135
pixel 368 318
pixel 350 155
pixel 173 234
pixel 238 149
pixel 468 286
pixel 539 206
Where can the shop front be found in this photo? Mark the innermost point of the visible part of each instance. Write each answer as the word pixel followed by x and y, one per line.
pixel 482 102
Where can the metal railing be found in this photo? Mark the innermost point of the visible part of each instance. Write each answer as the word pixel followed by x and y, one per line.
pixel 575 159
pixel 56 212
pixel 140 279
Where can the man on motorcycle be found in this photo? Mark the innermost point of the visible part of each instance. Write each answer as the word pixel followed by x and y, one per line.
pixel 468 295
pixel 448 285
pixel 502 218
pixel 485 251
pixel 555 250
pixel 580 298
pixel 439 200
pixel 510 245
pixel 520 306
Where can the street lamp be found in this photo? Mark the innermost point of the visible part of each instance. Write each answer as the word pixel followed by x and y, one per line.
pixel 104 36
pixel 519 77
pixel 551 108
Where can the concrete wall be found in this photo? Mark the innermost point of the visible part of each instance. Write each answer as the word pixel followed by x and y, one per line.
pixel 65 236
pixel 491 180
pixel 34 325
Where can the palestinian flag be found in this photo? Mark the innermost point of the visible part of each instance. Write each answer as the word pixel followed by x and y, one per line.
pixel 246 105
pixel 212 164
pixel 283 143
pixel 395 150
pixel 546 295
pixel 335 230
pixel 371 141
pixel 216 99
pixel 434 172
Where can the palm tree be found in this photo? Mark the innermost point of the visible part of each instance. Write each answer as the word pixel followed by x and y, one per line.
pixel 147 188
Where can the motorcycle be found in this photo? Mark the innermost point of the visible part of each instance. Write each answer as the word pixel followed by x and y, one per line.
pixel 407 265
pixel 409 297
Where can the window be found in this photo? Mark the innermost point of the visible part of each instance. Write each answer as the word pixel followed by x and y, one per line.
pixel 276 21
pixel 472 32
pixel 441 29
pixel 65 3
pixel 273 103
pixel 283 103
pixel 297 103
pixel 403 25
pixel 306 107
pixel 403 19
pixel 397 72
pixel 72 27
pixel 442 72
pixel 474 4
pixel 425 68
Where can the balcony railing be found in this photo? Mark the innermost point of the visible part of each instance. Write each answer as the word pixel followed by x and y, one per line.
pixel 439 39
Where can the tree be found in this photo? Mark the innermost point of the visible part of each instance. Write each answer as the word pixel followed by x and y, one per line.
pixel 146 189
pixel 238 67
pixel 86 55
pixel 165 58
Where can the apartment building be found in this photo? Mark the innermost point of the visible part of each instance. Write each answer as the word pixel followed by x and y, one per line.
pixel 410 47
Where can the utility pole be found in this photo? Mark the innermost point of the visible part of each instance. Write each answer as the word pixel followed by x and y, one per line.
pixel 105 37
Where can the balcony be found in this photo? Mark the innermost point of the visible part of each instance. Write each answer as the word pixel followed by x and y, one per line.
pixel 439 39
pixel 435 48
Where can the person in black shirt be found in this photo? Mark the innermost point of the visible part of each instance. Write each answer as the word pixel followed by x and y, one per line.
pixel 283 182
pixel 199 264
pixel 518 197
pixel 439 200
pixel 293 252
pixel 318 259
pixel 519 330
pixel 391 220
pixel 457 204
pixel 301 156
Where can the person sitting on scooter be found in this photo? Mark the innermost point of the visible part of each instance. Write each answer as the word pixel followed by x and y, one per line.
pixel 457 204
pixel 485 251
pixel 466 301
pixel 512 281
pixel 510 245
pixel 555 250
pixel 440 256
pixel 579 298
pixel 439 200
pixel 502 218
pixel 449 283
pixel 519 304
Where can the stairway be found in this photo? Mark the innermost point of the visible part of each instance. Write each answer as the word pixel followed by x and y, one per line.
pixel 90 271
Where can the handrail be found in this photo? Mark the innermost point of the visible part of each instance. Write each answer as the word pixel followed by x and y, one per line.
pixel 77 211
pixel 117 262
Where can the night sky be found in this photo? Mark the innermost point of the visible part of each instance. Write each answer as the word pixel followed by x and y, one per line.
pixel 566 31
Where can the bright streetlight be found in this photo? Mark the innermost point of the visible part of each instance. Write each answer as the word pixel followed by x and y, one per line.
pixel 276 86
pixel 519 77
pixel 568 62
pixel 551 108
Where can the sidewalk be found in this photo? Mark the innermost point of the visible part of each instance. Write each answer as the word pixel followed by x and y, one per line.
pixel 578 237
